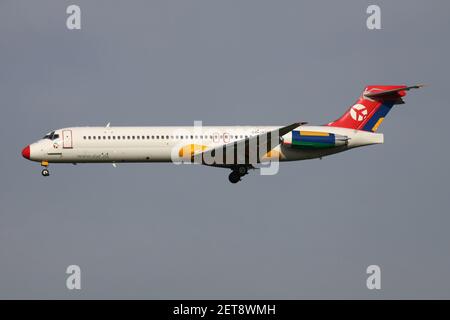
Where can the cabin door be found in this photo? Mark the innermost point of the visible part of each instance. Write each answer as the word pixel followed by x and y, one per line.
pixel 67 139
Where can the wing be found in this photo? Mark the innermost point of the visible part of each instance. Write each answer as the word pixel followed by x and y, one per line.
pixel 247 151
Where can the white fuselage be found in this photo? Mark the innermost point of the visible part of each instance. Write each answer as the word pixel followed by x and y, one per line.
pixel 162 144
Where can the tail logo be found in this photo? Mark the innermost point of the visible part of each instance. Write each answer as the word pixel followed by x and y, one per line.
pixel 358 112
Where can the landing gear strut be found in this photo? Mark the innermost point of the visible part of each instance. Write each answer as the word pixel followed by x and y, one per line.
pixel 45 171
pixel 237 173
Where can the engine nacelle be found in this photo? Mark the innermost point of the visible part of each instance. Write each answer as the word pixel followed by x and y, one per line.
pixel 299 139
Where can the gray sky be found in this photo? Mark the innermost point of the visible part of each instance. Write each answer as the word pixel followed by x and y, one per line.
pixel 165 231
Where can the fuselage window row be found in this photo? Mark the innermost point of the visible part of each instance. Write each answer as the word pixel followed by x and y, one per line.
pixel 159 137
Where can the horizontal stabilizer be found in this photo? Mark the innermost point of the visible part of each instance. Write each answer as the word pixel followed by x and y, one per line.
pixel 392 95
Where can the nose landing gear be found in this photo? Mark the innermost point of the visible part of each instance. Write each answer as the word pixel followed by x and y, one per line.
pixel 45 171
pixel 237 173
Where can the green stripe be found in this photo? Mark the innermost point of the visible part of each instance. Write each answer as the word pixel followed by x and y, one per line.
pixel 311 145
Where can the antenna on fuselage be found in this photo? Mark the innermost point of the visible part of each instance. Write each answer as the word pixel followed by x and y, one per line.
pixel 107 125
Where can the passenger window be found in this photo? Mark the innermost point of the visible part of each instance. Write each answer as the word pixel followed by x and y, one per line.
pixel 153 137
pixel 84 137
pixel 138 137
pixel 133 137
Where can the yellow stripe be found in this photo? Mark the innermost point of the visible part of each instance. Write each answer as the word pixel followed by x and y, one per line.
pixel 191 149
pixel 375 127
pixel 272 154
pixel 314 133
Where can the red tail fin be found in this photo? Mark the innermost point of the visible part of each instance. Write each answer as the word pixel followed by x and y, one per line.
pixel 372 107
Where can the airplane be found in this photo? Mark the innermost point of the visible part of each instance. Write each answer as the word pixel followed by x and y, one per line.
pixel 238 148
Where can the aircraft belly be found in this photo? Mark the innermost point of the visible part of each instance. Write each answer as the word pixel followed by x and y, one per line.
pixel 139 154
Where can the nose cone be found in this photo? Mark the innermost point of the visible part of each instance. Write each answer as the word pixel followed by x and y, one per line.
pixel 26 152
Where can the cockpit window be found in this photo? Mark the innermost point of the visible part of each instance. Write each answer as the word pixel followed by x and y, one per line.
pixel 51 136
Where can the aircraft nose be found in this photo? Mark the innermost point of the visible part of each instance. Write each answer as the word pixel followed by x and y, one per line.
pixel 26 152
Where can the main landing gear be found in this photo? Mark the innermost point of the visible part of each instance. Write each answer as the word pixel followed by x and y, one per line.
pixel 45 171
pixel 237 173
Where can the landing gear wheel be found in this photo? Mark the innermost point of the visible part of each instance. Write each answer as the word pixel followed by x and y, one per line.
pixel 45 172
pixel 234 177
pixel 242 170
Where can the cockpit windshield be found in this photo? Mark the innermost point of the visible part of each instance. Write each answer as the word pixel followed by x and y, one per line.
pixel 51 136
